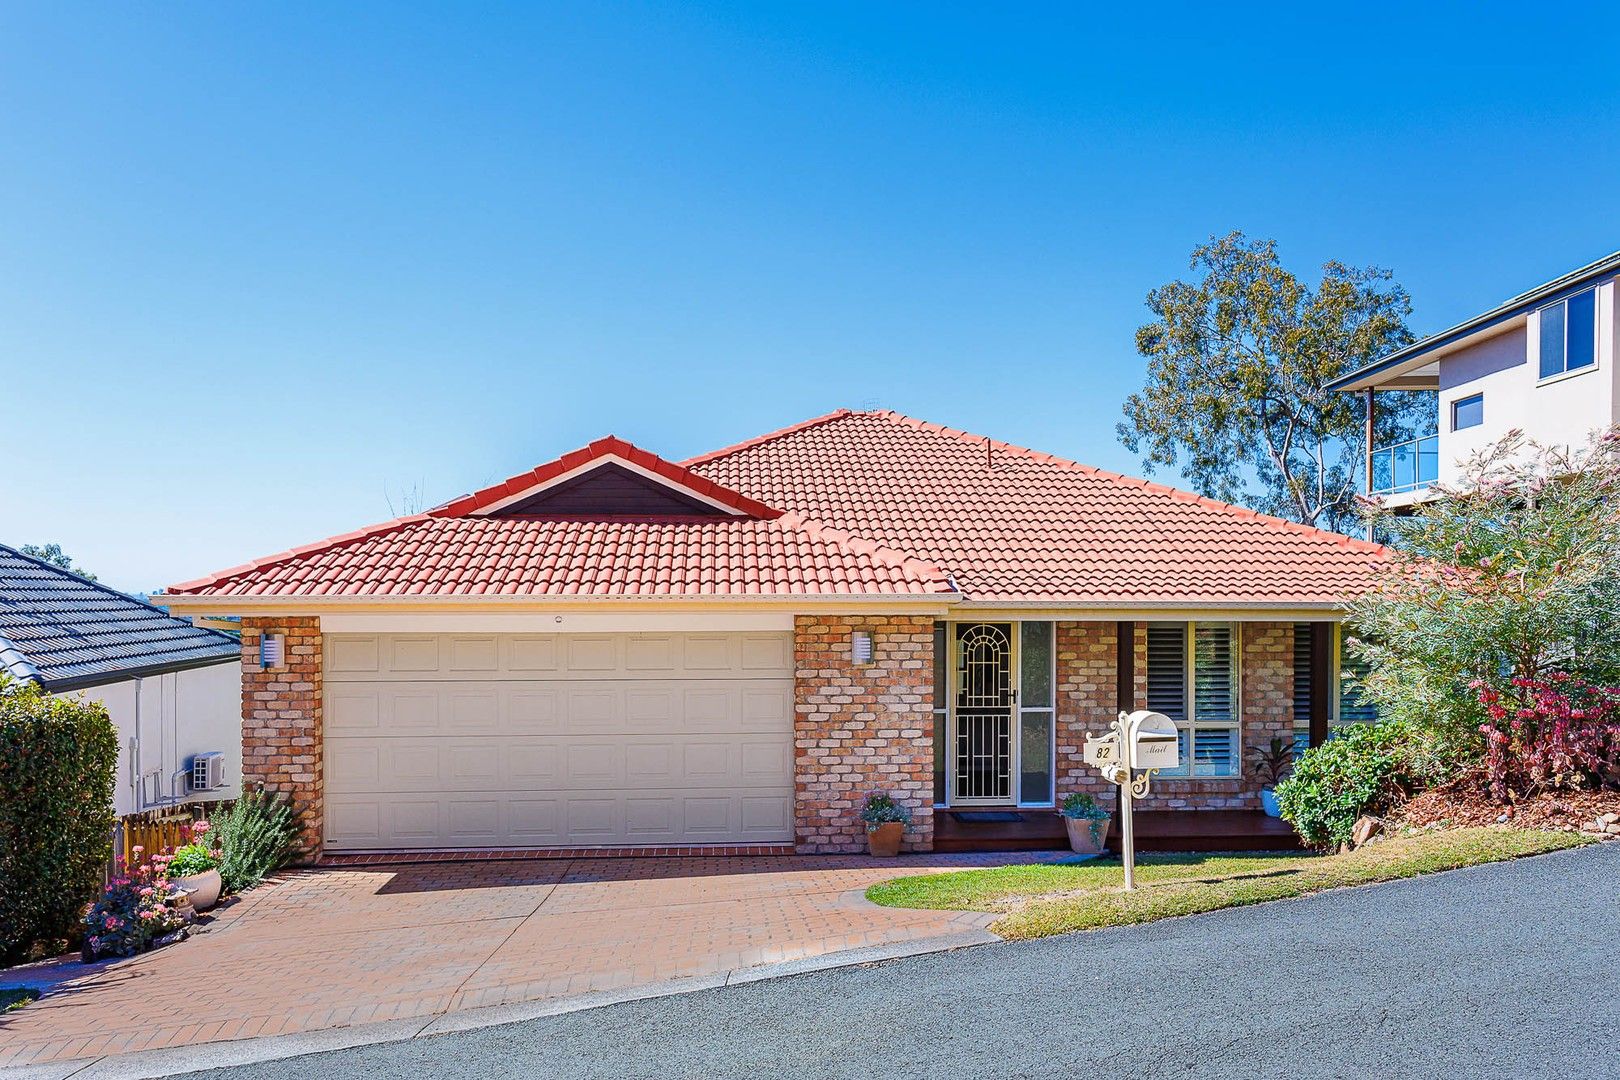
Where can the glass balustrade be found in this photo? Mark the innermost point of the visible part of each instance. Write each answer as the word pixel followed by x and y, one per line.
pixel 1405 466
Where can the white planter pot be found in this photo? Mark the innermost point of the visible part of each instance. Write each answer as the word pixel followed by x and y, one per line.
pixel 202 889
pixel 1268 802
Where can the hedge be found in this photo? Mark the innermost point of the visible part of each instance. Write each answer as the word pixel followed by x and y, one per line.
pixel 57 758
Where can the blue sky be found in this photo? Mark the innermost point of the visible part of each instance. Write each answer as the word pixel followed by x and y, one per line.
pixel 264 264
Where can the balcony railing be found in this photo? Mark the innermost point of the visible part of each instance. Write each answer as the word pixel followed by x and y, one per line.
pixel 1405 466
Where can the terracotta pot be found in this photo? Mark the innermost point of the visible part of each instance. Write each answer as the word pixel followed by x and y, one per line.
pixel 202 889
pixel 884 840
pixel 1081 840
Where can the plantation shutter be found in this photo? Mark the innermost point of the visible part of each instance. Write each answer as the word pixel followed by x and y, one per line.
pixel 1353 709
pixel 1167 670
pixel 1215 700
pixel 1302 686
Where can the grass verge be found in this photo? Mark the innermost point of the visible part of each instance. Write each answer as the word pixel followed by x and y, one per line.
pixel 1055 898
pixel 15 997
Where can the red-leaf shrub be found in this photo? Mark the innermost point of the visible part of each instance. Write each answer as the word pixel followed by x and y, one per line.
pixel 1550 734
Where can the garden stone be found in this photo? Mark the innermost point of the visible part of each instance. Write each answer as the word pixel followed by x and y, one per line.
pixel 1365 829
pixel 1611 818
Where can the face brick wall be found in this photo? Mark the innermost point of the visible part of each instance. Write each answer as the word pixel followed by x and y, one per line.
pixel 1087 699
pixel 281 719
pixel 862 727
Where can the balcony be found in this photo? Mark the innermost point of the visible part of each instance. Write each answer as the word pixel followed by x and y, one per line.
pixel 1405 466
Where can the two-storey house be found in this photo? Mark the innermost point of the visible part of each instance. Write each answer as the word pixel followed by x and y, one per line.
pixel 1542 362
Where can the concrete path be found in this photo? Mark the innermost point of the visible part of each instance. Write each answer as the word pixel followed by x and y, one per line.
pixel 1508 970
pixel 377 953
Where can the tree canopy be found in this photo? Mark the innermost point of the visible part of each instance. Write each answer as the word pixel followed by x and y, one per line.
pixel 1238 361
pixel 53 554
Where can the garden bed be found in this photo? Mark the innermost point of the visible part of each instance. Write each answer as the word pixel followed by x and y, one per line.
pixel 1465 801
pixel 1054 898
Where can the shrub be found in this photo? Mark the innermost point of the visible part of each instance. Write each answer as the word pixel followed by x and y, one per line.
pixel 254 838
pixel 1363 769
pixel 881 809
pixel 1558 733
pixel 135 910
pixel 57 757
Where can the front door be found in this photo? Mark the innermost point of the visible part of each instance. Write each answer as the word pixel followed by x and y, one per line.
pixel 982 715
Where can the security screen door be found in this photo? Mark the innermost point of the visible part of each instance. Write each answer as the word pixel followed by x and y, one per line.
pixel 982 715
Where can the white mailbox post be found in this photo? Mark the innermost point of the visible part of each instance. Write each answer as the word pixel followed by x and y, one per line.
pixel 1142 740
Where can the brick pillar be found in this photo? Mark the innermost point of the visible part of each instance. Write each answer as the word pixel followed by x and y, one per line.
pixel 1087 678
pixel 862 727
pixel 1268 692
pixel 281 719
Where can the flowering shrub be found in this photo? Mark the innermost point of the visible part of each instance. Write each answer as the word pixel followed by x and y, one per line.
pixel 881 809
pixel 195 857
pixel 135 909
pixel 1549 734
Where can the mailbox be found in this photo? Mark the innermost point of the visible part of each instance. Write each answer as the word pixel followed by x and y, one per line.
pixel 1154 742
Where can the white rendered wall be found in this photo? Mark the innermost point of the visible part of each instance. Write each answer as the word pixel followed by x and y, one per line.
pixel 181 714
pixel 1563 410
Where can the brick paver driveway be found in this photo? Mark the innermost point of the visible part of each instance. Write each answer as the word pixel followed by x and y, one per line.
pixel 331 948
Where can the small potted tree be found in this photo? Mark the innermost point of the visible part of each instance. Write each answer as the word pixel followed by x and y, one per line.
pixel 194 869
pixel 886 822
pixel 1086 822
pixel 1273 763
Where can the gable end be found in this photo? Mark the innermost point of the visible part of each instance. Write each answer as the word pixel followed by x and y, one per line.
pixel 610 489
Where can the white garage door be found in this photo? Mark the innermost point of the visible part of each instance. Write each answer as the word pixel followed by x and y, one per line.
pixel 523 741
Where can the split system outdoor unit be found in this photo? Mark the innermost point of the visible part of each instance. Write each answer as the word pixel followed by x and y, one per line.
pixel 208 771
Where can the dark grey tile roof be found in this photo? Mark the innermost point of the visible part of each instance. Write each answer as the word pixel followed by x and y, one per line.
pixel 64 632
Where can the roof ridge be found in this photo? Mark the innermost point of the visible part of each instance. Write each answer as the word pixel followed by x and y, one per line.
pixel 859 545
pixel 1131 481
pixel 15 663
pixel 748 444
pixel 331 542
pixel 606 446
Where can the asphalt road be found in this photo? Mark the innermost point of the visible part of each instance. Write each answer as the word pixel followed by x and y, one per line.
pixel 1510 970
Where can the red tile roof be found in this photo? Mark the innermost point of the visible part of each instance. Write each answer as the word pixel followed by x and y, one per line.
pixel 877 504
pixel 1012 524
pixel 532 556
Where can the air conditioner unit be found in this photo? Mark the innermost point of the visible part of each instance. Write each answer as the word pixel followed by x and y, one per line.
pixel 208 771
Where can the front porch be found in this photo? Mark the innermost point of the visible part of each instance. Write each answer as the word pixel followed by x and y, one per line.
pixel 1156 830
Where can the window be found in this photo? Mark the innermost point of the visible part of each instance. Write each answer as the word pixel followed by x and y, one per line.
pixel 1468 412
pixel 1346 705
pixel 1192 677
pixel 1569 334
pixel 1035 712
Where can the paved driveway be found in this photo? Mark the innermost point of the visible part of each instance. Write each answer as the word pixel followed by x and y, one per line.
pixel 1508 970
pixel 335 948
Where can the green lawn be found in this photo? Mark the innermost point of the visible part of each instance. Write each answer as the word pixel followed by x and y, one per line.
pixel 1041 899
pixel 15 997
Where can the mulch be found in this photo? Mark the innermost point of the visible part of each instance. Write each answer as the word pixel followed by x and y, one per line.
pixel 1465 801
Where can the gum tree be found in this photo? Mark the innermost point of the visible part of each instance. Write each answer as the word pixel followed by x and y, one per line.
pixel 1239 359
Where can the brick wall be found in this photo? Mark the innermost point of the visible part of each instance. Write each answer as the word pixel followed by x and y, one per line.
pixel 281 719
pixel 1087 698
pixel 862 727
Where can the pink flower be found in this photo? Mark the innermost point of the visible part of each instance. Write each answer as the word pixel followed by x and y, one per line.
pixel 136 850
pixel 147 891
pixel 199 827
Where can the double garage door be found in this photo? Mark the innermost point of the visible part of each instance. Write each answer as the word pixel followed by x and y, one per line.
pixel 545 740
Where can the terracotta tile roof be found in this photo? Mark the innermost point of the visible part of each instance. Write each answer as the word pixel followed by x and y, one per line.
pixel 1013 524
pixel 870 503
pixel 440 555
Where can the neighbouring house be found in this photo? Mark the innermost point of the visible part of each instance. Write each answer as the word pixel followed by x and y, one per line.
pixel 1542 362
pixel 612 649
pixel 173 690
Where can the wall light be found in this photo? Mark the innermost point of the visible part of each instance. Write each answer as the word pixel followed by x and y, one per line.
pixel 860 647
pixel 272 650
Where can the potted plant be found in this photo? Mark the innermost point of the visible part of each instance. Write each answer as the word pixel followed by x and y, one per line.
pixel 194 870
pixel 1273 763
pixel 1086 822
pixel 886 822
